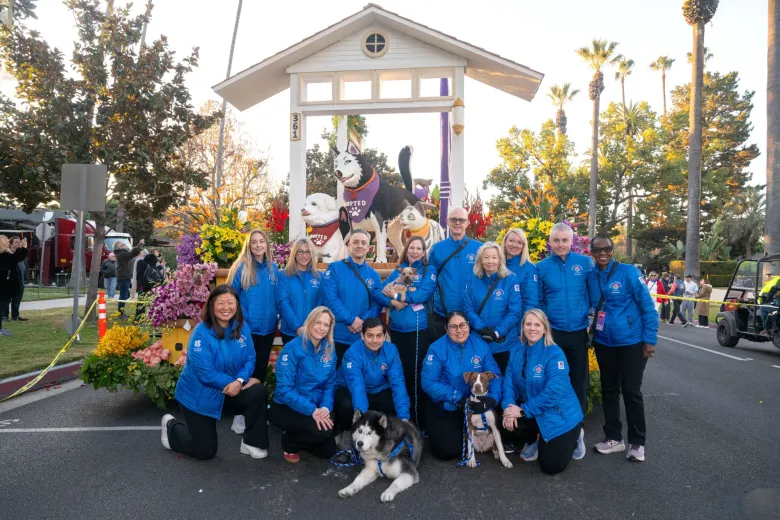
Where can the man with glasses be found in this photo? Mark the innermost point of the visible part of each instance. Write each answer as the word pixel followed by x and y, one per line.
pixel 563 295
pixel 453 259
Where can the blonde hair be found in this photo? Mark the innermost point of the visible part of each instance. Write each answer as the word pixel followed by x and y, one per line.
pixel 291 269
pixel 311 319
pixel 541 316
pixel 7 247
pixel 503 272
pixel 246 260
pixel 524 256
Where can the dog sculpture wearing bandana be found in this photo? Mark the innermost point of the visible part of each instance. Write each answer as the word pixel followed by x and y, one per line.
pixel 321 213
pixel 370 202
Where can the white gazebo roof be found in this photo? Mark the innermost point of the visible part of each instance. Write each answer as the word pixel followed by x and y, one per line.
pixel 272 75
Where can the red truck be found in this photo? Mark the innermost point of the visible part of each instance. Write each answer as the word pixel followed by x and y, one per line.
pixel 58 257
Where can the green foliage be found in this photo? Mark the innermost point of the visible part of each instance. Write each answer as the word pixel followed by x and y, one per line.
pixel 676 250
pixel 699 10
pixel 22 9
pixel 716 268
pixel 744 218
pixel 594 391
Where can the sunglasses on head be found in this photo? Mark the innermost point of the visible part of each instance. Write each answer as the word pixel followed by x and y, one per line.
pixel 605 249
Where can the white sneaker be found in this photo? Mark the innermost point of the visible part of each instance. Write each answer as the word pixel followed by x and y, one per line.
pixel 239 424
pixel 609 446
pixel 255 453
pixel 164 435
pixel 579 452
pixel 636 453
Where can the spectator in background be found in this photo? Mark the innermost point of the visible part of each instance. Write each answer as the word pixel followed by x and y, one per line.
pixel 677 289
pixel 687 305
pixel 666 306
pixel 147 277
pixel 108 271
pixel 9 268
pixel 124 272
pixel 19 276
pixel 655 287
pixel 703 308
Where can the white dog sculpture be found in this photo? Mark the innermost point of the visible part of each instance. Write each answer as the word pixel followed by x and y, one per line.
pixel 321 212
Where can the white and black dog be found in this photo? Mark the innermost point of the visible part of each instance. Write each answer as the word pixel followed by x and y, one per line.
pixel 389 448
pixel 370 202
pixel 321 212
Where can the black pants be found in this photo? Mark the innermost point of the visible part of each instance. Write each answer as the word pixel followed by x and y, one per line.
pixel 412 348
pixel 286 339
pixel 3 309
pixel 555 454
pixel 341 349
pixel 300 432
pixel 622 369
pixel 437 326
pixel 445 431
pixel 704 320
pixel 380 402
pixel 124 292
pixel 665 308
pixel 576 351
pixel 502 360
pixel 196 436
pixel 263 346
pixel 676 312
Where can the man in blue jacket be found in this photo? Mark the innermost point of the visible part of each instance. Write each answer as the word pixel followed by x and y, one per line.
pixel 564 298
pixel 454 260
pixel 348 288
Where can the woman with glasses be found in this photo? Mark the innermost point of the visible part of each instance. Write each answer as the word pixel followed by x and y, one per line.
pixel 298 289
pixel 625 326
pixel 443 381
pixel 518 261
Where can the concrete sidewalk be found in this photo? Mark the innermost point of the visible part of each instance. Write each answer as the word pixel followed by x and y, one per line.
pixel 50 304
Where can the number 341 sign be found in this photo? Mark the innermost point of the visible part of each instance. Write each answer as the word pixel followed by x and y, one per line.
pixel 296 126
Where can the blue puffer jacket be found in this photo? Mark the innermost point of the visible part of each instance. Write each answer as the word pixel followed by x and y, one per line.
pixel 445 364
pixel 296 296
pixel 346 296
pixel 414 316
pixel 455 274
pixel 501 312
pixel 543 390
pixel 563 291
pixel 257 302
pixel 529 282
pixel 365 372
pixel 305 377
pixel 630 315
pixel 212 364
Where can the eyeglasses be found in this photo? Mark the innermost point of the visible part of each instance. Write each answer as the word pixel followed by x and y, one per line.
pixel 301 252
pixel 454 327
pixel 457 220
pixel 606 249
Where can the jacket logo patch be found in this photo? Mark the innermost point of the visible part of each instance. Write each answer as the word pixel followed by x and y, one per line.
pixel 517 287
pixel 349 364
pixel 538 371
pixel 433 277
pixel 369 282
pixel 383 367
pixel 327 273
pixel 577 268
pixel 417 278
pixel 470 257
pixel 242 341
pixel 499 294
pixel 642 279
pixel 536 278
pixel 285 357
pixel 475 360
pixel 615 286
pixel 325 360
pixel 315 283
pixel 561 366
pixel 196 347
pixel 272 278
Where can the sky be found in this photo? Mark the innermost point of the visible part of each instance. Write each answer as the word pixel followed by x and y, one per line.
pixel 539 34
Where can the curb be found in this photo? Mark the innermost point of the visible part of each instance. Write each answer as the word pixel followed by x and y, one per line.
pixel 57 374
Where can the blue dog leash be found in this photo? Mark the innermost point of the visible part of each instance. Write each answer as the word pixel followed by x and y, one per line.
pixel 467 456
pixel 356 460
pixel 416 372
pixel 396 451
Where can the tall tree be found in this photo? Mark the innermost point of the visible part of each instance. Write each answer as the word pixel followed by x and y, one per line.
pixel 597 55
pixel 697 13
pixel 560 95
pixel 744 218
pixel 662 65
pixel 625 67
pixel 772 239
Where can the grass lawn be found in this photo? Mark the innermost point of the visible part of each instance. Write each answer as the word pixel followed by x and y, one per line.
pixel 35 343
pixel 32 294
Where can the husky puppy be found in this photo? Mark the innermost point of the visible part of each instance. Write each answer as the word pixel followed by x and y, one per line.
pixel 414 222
pixel 321 212
pixel 377 438
pixel 484 432
pixel 371 203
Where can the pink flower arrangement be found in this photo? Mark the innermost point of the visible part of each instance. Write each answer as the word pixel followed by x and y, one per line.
pixel 183 296
pixel 182 359
pixel 153 354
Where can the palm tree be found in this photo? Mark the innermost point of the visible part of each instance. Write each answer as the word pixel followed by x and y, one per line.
pixel 597 55
pixel 772 240
pixel 662 64
pixel 745 214
pixel 624 70
pixel 559 96
pixel 707 55
pixel 697 13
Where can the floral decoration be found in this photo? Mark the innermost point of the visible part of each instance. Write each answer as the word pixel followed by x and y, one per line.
pixel 186 251
pixel 183 296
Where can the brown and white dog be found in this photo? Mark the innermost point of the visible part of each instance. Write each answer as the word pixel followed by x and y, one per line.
pixel 405 281
pixel 484 437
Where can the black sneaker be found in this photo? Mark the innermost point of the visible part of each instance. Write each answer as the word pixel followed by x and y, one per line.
pixel 19 318
pixel 509 448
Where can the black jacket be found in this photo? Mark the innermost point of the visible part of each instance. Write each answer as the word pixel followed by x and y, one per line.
pixel 124 264
pixel 9 273
pixel 108 268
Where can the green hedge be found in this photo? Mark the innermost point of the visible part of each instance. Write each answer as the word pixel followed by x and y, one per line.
pixel 718 273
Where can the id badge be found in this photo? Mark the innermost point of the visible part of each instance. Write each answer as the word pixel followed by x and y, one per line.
pixel 417 307
pixel 600 320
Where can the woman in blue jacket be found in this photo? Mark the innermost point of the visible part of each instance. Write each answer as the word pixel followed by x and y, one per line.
pixel 297 289
pixel 409 318
pixel 448 359
pixel 305 386
pixel 539 400
pixel 519 262
pixel 626 327
pixel 372 377
pixel 493 302
pixel 216 376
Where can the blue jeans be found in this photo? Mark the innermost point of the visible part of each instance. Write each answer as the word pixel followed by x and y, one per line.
pixel 124 292
pixel 110 284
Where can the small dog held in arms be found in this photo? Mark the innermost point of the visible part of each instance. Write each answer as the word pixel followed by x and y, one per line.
pixel 482 426
pixel 389 448
pixel 405 282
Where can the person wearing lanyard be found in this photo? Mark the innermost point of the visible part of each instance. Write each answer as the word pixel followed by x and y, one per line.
pixel 625 327
pixel 409 318
pixel 518 261
pixel 298 289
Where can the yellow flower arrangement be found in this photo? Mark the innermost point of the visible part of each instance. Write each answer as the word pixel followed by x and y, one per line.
pixel 593 364
pixel 220 245
pixel 121 340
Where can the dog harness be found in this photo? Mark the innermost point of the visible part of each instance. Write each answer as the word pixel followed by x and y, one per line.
pixel 359 200
pixel 321 234
pixel 396 451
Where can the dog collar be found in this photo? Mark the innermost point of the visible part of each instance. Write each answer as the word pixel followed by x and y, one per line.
pixel 396 451
pixel 321 234
pixel 421 231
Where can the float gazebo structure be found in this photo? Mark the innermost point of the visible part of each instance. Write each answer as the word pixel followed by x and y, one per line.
pixel 375 62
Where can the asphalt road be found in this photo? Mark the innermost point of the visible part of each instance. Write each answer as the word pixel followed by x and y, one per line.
pixel 712 453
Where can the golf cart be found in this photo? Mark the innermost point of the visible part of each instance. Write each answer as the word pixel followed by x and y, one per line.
pixel 736 320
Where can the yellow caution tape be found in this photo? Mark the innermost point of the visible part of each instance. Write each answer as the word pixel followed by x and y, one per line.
pixel 37 378
pixel 712 302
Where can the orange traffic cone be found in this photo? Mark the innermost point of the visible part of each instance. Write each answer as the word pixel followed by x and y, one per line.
pixel 101 314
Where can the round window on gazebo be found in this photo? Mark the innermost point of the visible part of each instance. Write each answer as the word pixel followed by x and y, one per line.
pixel 375 44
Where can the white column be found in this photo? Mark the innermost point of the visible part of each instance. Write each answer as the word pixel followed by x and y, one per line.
pixel 341 143
pixel 457 150
pixel 297 167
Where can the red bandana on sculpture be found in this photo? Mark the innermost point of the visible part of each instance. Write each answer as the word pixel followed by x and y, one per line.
pixel 321 234
pixel 359 200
